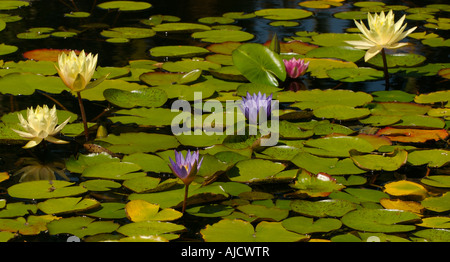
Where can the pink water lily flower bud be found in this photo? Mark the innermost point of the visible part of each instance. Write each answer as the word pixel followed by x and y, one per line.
pixel 295 67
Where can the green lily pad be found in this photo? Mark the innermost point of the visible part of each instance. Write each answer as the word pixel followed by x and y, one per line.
pixel 145 116
pixel 434 235
pixel 216 20
pixel 148 162
pixel 43 189
pixel 189 65
pixel 129 143
pixel 221 36
pixel 100 185
pixel 177 51
pixel 390 162
pixel 263 212
pixel 259 64
pixel 436 181
pixel 432 157
pixel 7 49
pixel 180 27
pixel 307 225
pixel 17 209
pixel 109 210
pixel 237 230
pixel 392 96
pixel 341 52
pixel 380 220
pixel 331 166
pixel 144 184
pixel 355 74
pixel 125 5
pixel 115 170
pixel 253 170
pixel 283 13
pixel 128 32
pixel 357 15
pixel 81 226
pixel 395 60
pixel 335 39
pixel 359 195
pixel 67 205
pixel 290 130
pixel 435 222
pixel 433 97
pixel 316 98
pixel 320 185
pixel 438 204
pixel 79 164
pixel 27 83
pixel 213 210
pixel 398 109
pixel 340 112
pixel 337 146
pixel 323 208
pixel 33 225
pixel 77 14
pixel 150 97
pixel 282 152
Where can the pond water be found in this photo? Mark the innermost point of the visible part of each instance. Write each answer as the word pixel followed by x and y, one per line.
pixel 353 162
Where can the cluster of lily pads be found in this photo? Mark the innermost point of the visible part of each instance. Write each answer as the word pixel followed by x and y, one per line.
pixel 321 182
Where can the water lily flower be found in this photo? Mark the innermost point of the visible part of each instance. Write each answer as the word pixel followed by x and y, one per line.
pixel 295 67
pixel 77 71
pixel 40 125
pixel 383 33
pixel 252 104
pixel 186 169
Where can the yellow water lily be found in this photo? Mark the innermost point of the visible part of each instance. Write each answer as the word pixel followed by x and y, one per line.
pixel 76 71
pixel 383 33
pixel 40 125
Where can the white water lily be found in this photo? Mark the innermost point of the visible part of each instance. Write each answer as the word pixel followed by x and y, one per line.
pixel 383 33
pixel 77 71
pixel 40 125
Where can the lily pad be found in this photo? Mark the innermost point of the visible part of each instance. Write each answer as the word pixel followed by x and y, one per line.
pixel 259 64
pixel 283 13
pixel 180 27
pixel 405 188
pixel 116 171
pixel 434 235
pixel 436 181
pixel 237 230
pixel 67 205
pixel 149 97
pixel 389 162
pixel 433 97
pixel 380 220
pixel 45 189
pixel 431 157
pixel 129 143
pixel 395 60
pixel 81 226
pixel 320 185
pixel 316 98
pixel 337 146
pixel 33 225
pixel 140 210
pixel 323 208
pixel 355 74
pixel 263 212
pixel 340 112
pixel 125 5
pixel 341 52
pixel 412 135
pixel 221 36
pixel 177 51
pixel 254 170
pixel 331 166
pixel 438 203
pixel 306 225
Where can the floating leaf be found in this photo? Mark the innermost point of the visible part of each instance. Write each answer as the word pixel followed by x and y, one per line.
pixel 254 170
pixel 221 36
pixel 283 13
pixel 307 225
pixel 140 210
pixel 115 170
pixel 380 220
pixel 405 188
pixel 438 204
pixel 331 166
pixel 150 97
pixel 180 27
pixel 81 226
pixel 354 74
pixel 389 162
pixel 67 205
pixel 100 185
pixel 341 52
pixel 316 98
pixel 323 208
pixel 395 60
pixel 237 230
pixel 177 51
pixel 412 135
pixel 7 49
pixel 432 157
pixel 398 204
pixel 129 143
pixel 337 146
pixel 340 112
pixel 213 210
pixel 43 189
pixel 125 5
pixel 320 185
pixel 259 64
pixel 433 97
pixel 434 235
pixel 435 222
pixel 32 226
pixel 436 181
pixel 392 96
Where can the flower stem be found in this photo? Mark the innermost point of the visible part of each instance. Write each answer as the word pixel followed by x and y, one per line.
pixel 83 116
pixel 186 189
pixel 385 68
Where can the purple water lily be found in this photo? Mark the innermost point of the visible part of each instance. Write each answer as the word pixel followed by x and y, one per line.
pixel 251 105
pixel 186 168
pixel 295 67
